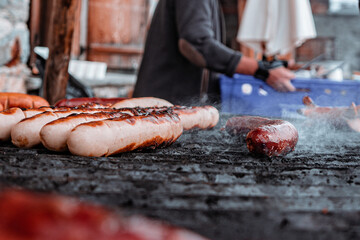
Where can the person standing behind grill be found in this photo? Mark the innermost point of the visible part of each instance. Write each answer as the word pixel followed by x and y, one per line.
pixel 184 54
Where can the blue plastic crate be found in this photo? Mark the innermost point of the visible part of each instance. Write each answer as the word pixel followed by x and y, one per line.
pixel 246 95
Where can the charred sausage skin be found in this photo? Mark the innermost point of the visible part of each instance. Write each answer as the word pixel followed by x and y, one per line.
pixel 266 137
pixel 142 102
pixel 115 102
pixel 26 133
pixel 127 133
pixel 74 102
pixel 54 134
pixel 196 117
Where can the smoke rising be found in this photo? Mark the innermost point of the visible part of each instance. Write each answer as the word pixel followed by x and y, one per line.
pixel 321 137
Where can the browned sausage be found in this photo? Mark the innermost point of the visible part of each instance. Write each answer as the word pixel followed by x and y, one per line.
pixel 11 116
pixel 112 136
pixel 73 102
pixel 54 134
pixel 275 138
pixel 21 100
pixel 265 136
pixel 142 102
pixel 201 117
pixel 26 133
pixel 241 125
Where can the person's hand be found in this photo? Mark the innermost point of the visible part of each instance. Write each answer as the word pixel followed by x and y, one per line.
pixel 280 79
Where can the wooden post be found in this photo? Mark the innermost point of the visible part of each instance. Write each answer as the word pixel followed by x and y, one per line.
pixel 61 31
pixel 34 25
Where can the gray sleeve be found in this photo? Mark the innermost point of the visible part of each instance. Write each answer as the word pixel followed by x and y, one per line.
pixel 194 26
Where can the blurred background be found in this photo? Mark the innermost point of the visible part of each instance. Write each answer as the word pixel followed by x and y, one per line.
pixel 109 36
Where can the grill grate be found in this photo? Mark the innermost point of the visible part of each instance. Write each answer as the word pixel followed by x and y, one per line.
pixel 209 183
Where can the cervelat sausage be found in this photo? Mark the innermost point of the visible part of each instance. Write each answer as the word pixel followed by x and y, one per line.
pixel 54 134
pixel 265 136
pixel 26 133
pixel 238 126
pixel 142 102
pixel 21 100
pixel 112 136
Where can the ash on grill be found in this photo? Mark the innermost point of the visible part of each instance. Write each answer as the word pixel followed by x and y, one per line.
pixel 208 182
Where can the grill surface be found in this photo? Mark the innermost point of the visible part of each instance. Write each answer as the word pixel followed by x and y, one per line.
pixel 208 182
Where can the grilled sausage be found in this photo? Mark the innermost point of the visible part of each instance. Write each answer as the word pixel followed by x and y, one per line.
pixel 21 100
pixel 8 119
pixel 26 133
pixel 275 138
pixel 142 102
pixel 112 136
pixel 265 136
pixel 11 116
pixel 240 126
pixel 339 117
pixel 204 117
pixel 74 102
pixel 54 134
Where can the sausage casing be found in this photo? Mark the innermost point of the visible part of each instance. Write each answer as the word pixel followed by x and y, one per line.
pixel 11 116
pixel 21 100
pixel 54 134
pixel 142 102
pixel 112 136
pixel 275 138
pixel 268 137
pixel 74 102
pixel 26 133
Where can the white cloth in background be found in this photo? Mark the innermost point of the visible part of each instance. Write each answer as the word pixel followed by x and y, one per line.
pixel 281 24
pixel 152 6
